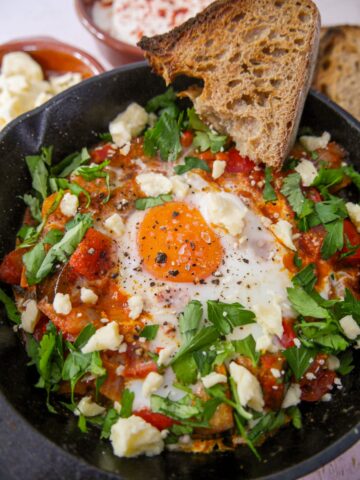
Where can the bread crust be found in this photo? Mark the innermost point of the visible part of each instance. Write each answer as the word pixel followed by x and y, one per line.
pixel 256 59
pixel 338 68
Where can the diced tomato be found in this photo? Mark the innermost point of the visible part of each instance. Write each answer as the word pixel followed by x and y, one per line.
pixel 92 258
pixel 238 164
pixel 313 390
pixel 314 195
pixel 100 154
pixel 157 420
pixel 310 243
pixel 139 368
pixel 207 156
pixel 287 339
pixel 332 155
pixel 273 387
pixel 187 138
pixel 353 237
pixel 40 328
pixel 11 267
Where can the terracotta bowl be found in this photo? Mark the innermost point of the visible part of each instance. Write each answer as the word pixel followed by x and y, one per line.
pixel 115 51
pixel 54 56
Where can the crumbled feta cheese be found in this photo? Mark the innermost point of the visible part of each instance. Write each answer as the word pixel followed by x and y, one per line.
pixel 213 379
pixel 59 83
pixel 21 63
pixel 292 397
pixel 248 387
pixel 332 362
pixel 30 316
pixel 69 205
pixel 128 124
pixel 275 372
pixel 179 187
pixel 354 214
pixel 313 143
pixel 88 296
pixel 165 354
pixel 224 211
pixel 136 305
pixel 269 316
pixel 297 343
pixel 133 436
pixel 264 343
pixel 350 327
pixel 307 172
pixel 115 224
pixel 218 169
pixel 154 184
pixel 62 303
pixel 310 376
pixel 105 338
pixel 283 232
pixel 326 398
pixel 88 408
pixel 152 382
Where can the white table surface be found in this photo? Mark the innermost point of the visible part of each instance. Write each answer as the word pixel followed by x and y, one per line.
pixel 57 18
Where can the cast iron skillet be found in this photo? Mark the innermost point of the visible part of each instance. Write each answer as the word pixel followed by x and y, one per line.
pixel 35 444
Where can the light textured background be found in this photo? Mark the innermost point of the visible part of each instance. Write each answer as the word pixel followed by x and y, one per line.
pixel 57 18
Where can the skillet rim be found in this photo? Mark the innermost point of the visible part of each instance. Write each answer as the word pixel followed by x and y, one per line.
pixel 300 469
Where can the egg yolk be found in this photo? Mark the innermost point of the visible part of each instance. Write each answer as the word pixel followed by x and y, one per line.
pixel 176 244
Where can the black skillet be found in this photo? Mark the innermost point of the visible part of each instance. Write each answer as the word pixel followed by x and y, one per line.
pixel 35 444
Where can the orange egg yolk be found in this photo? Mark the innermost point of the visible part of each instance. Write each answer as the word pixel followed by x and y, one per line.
pixel 176 244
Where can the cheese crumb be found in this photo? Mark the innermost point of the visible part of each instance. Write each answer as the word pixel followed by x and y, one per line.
pixel 62 303
pixel 165 354
pixel 292 397
pixel 30 316
pixel 283 232
pixel 332 362
pixel 21 63
pixel 88 296
pixel 213 379
pixel 115 224
pixel 248 387
pixel 275 372
pixel 312 143
pixel 354 214
pixel 69 205
pixel 136 305
pixel 133 436
pixel 307 172
pixel 127 125
pixel 179 187
pixel 152 382
pixel 105 338
pixel 88 408
pixel 350 327
pixel 269 317
pixel 154 184
pixel 224 211
pixel 218 169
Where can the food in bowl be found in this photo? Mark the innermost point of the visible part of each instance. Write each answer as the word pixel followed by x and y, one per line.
pixel 173 293
pixel 129 21
pixel 23 85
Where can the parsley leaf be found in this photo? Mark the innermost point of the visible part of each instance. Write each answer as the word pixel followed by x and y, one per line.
pixel 334 240
pixel 226 316
pixel 327 177
pixel 200 340
pixel 112 417
pixel 92 172
pixel 349 306
pixel 39 173
pixel 70 163
pixel 189 320
pixel 149 332
pixel 149 202
pixel 299 360
pixel 306 278
pixel 75 188
pixel 292 191
pixel 105 136
pixel 295 415
pixel 179 410
pixel 304 304
pixel 346 363
pixel 34 205
pixel 205 138
pixel 164 100
pixel 10 307
pixel 247 347
pixel 190 164
pixel 204 360
pixel 185 369
pixel 269 194
pixel 127 400
pixel 163 137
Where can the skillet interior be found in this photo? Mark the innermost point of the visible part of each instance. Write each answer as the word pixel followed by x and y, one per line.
pixel 69 122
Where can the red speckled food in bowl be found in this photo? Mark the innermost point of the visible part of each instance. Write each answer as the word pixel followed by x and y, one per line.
pixel 115 51
pixel 54 56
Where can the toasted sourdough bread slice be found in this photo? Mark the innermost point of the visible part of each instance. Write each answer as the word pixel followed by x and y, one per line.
pixel 256 60
pixel 338 70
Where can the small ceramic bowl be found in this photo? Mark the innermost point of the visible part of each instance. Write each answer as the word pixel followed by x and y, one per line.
pixel 115 51
pixel 54 56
